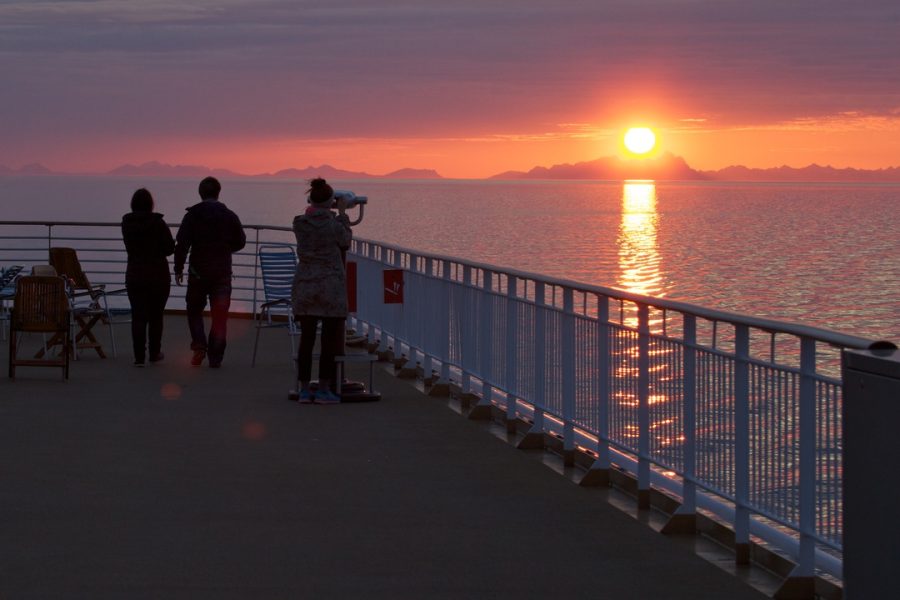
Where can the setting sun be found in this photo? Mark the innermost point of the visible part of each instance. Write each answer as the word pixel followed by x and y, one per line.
pixel 640 140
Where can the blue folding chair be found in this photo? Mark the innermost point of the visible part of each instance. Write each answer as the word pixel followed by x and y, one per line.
pixel 277 265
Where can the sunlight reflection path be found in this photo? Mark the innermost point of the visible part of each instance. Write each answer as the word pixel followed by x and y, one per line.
pixel 639 259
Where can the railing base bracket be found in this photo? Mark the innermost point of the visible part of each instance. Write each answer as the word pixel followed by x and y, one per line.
pixel 742 554
pixel 406 373
pixel 480 412
pixel 532 440
pixel 595 478
pixel 439 389
pixel 643 499
pixel 680 525
pixel 797 588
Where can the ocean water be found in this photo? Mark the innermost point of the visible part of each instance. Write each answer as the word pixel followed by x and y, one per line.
pixel 820 254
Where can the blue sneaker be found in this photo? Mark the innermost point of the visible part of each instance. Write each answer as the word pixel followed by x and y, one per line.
pixel 326 397
pixel 305 397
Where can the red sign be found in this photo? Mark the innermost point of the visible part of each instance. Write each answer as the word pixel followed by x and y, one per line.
pixel 393 286
pixel 351 286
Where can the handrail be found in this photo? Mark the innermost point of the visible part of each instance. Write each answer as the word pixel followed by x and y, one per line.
pixel 832 337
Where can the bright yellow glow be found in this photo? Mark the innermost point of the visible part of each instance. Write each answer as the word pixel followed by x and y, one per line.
pixel 639 259
pixel 640 140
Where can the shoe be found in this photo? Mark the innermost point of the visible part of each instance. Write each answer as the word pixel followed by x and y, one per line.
pixel 305 397
pixel 215 364
pixel 198 357
pixel 326 397
pixel 157 357
pixel 138 363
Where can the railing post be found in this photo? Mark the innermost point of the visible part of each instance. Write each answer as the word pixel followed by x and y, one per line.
pixel 427 324
pixel 441 386
pixel 482 410
pixel 256 271
pixel 742 444
pixel 568 376
pixel 643 488
pixel 598 474
pixel 469 343
pixel 512 345
pixel 685 518
pixel 801 581
pixel 445 310
pixel 534 439
pixel 397 320
pixel 376 254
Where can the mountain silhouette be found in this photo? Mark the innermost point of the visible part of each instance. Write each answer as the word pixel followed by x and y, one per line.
pixel 326 171
pixel 812 172
pixel 413 174
pixel 32 169
pixel 157 169
pixel 666 166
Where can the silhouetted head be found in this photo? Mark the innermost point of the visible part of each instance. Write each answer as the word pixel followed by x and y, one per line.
pixel 142 201
pixel 210 188
pixel 320 193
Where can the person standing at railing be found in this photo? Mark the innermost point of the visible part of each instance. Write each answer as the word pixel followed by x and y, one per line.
pixel 148 241
pixel 319 291
pixel 211 233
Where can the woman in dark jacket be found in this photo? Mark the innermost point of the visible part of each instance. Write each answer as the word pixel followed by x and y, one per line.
pixel 148 242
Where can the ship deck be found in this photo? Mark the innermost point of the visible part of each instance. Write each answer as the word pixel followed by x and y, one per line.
pixel 172 481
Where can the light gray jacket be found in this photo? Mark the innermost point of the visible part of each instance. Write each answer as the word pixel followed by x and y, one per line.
pixel 320 282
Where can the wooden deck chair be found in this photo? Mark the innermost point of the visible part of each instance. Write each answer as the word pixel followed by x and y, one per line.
pixel 277 265
pixel 89 302
pixel 41 306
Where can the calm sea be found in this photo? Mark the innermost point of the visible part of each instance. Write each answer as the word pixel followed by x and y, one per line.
pixel 820 254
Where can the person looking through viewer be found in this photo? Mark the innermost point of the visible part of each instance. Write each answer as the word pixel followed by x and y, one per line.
pixel 319 291
pixel 211 233
pixel 148 242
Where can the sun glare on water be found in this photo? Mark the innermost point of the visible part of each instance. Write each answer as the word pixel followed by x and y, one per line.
pixel 640 140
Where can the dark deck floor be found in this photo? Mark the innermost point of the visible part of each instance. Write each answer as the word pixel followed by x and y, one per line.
pixel 180 482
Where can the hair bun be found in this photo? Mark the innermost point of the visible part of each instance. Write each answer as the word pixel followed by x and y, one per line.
pixel 319 191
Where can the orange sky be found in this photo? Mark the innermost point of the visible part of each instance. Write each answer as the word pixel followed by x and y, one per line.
pixel 469 88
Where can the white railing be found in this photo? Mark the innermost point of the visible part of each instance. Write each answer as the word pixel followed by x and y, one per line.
pixel 736 416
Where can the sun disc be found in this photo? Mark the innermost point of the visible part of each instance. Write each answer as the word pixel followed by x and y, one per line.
pixel 640 140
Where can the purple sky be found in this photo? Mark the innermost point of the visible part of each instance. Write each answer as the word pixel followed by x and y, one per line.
pixel 92 84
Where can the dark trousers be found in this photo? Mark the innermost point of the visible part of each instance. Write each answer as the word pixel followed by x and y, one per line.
pixel 332 345
pixel 148 302
pixel 218 292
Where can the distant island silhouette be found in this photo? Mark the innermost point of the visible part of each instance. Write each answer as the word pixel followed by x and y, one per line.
pixel 664 167
pixel 668 167
pixel 156 169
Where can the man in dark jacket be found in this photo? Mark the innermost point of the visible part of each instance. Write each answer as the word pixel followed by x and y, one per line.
pixel 211 233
